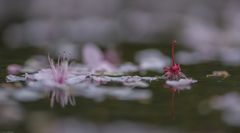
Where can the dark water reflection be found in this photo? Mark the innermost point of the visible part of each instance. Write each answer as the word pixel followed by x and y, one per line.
pixel 191 110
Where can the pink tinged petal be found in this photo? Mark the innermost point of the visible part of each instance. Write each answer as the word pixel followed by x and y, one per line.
pixel 51 63
pixel 59 70
pixel 92 55
pixel 112 56
pixel 14 69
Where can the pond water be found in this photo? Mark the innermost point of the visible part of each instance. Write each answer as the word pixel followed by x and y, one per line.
pixel 192 111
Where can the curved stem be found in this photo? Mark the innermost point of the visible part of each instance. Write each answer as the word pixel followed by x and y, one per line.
pixel 173 46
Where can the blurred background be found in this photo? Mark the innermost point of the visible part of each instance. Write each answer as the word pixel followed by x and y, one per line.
pixel 207 32
pixel 208 29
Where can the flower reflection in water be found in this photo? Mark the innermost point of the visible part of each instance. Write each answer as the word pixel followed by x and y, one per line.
pixel 176 80
pixel 62 81
pixel 176 86
pixel 61 96
pixel 54 80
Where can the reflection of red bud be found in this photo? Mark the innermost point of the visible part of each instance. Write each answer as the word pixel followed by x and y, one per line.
pixel 172 101
pixel 172 89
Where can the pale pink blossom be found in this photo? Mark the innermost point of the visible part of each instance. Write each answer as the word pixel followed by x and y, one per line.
pixel 93 57
pixel 14 69
pixel 54 79
pixel 108 61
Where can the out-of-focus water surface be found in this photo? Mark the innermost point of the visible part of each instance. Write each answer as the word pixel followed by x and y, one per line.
pixel 200 109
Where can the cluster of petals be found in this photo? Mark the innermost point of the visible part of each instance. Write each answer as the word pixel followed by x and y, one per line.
pixel 63 80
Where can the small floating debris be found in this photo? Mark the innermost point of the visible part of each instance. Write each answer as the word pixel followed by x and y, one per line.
pixel 223 74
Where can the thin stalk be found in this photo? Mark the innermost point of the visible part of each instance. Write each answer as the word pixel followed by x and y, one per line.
pixel 173 46
pixel 173 113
